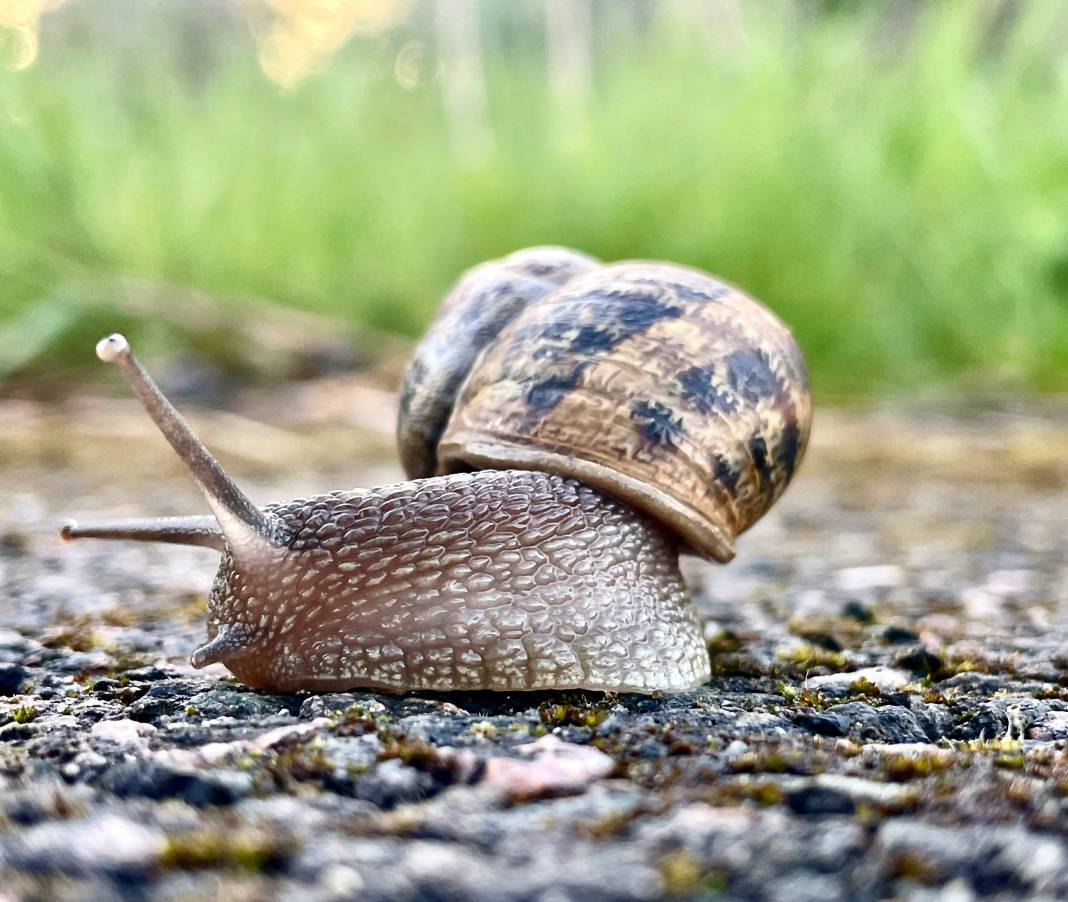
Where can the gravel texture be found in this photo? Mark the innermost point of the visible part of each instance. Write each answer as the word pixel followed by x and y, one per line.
pixel 887 718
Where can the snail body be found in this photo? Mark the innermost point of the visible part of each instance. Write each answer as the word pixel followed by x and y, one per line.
pixel 569 428
pixel 488 580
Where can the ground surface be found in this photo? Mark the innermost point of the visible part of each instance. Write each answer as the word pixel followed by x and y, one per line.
pixel 888 716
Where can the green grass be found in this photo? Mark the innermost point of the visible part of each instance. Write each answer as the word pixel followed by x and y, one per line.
pixel 900 202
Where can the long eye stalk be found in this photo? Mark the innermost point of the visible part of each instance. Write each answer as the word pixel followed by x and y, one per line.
pixel 239 520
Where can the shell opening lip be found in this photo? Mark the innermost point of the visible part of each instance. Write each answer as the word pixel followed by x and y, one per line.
pixel 697 531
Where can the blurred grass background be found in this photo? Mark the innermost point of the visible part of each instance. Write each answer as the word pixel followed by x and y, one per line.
pixel 891 178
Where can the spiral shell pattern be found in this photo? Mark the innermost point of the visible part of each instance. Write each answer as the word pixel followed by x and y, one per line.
pixel 652 382
pixel 485 299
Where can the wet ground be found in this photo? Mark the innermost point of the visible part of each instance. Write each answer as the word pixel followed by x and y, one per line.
pixel 888 716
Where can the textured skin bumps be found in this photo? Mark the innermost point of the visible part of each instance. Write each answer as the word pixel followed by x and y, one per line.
pixel 655 383
pixel 504 580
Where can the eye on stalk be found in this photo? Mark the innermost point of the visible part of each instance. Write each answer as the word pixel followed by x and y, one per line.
pixel 237 520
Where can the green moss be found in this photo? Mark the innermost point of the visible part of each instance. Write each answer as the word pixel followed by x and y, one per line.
pixel 865 687
pixel 914 866
pixel 905 768
pixel 956 665
pixel 24 714
pixel 79 634
pixel 1021 793
pixel 484 730
pixel 1051 692
pixel 412 752
pixel 992 746
pixel 118 617
pixel 773 761
pixel 1009 760
pixel 685 875
pixel 846 748
pixel 714 882
pixel 356 720
pixel 765 794
pixel 611 825
pixel 572 715
pixel 251 852
pixel 725 643
pixel 123 661
pixel 811 657
pixel 754 763
pixel 421 756
pixel 681 872
pixel 815 700
pixel 805 698
pixel 301 762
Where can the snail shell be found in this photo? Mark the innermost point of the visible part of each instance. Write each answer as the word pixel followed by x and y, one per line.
pixel 655 383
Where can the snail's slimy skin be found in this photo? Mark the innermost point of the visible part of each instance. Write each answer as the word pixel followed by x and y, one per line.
pixel 500 580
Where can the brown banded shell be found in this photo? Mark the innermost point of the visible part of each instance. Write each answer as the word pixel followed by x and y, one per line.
pixel 652 382
pixel 485 299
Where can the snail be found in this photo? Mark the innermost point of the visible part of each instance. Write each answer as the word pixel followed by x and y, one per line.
pixel 569 428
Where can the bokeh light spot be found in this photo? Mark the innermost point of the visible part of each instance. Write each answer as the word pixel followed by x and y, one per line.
pixel 298 37
pixel 20 22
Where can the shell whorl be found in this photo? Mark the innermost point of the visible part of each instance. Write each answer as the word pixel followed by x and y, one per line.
pixel 484 300
pixel 652 382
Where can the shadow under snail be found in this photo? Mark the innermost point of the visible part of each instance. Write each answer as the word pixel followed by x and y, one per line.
pixel 568 428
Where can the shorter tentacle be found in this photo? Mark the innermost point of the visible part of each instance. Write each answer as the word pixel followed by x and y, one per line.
pixel 228 641
pixel 199 531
